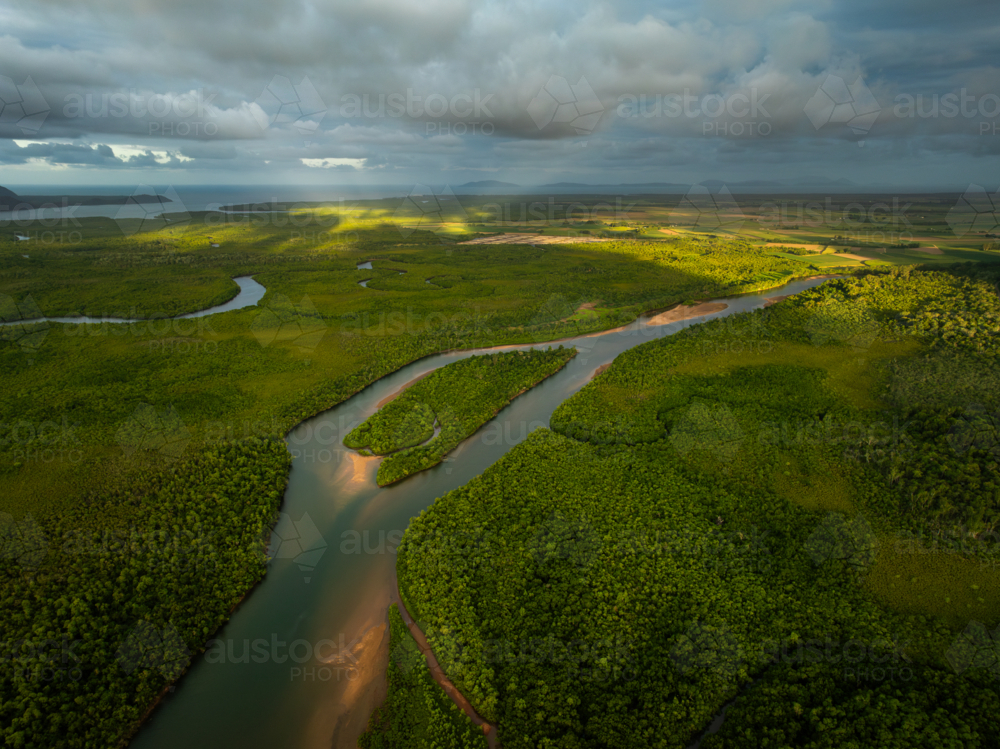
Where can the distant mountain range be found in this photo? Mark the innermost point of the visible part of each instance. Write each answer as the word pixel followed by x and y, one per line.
pixel 490 187
pixel 490 183
pixel 712 184
pixel 752 185
pixel 5 193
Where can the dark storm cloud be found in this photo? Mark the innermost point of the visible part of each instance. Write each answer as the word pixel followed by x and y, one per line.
pixel 391 89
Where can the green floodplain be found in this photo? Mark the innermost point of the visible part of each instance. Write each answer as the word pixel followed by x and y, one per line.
pixel 773 529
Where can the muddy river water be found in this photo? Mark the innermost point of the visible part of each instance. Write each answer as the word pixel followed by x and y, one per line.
pixel 300 665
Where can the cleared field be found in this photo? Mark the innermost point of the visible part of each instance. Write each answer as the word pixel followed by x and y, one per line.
pixel 838 260
pixel 810 247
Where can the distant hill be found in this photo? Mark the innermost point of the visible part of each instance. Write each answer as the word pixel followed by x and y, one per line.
pixel 489 183
pixel 718 183
pixel 824 181
pixel 620 184
pixel 7 200
pixel 606 189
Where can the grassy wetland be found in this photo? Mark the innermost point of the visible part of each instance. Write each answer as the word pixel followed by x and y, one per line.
pixel 713 509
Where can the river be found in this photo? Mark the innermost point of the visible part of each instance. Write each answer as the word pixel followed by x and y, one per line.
pixel 249 294
pixel 302 660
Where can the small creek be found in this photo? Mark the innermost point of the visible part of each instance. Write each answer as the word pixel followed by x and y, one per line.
pixel 249 294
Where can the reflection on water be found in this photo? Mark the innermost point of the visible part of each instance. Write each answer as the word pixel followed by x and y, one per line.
pixel 273 701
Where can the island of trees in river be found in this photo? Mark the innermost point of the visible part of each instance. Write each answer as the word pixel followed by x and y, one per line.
pixel 709 513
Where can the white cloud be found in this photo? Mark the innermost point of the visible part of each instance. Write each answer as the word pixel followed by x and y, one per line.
pixel 333 163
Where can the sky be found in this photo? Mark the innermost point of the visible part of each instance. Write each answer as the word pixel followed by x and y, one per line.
pixel 396 92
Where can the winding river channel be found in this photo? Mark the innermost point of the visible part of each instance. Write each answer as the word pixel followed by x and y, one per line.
pixel 249 294
pixel 300 665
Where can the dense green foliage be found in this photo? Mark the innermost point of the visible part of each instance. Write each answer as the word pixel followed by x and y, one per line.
pixel 95 412
pixel 129 432
pixel 817 706
pixel 709 508
pixel 457 399
pixel 102 607
pixel 416 711
pixel 934 438
pixel 315 339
